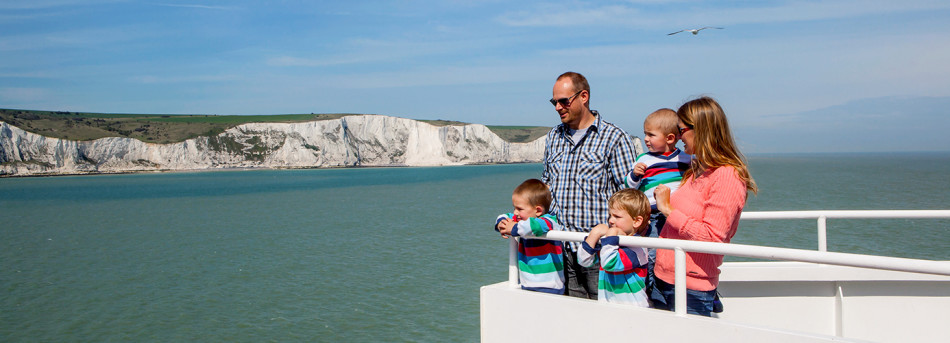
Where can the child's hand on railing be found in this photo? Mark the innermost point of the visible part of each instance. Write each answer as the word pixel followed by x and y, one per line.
pixel 596 233
pixel 505 226
pixel 614 231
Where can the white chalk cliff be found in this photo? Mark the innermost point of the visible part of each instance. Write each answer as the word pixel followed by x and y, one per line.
pixel 368 140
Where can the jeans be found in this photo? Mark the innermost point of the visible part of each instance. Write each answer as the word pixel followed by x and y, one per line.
pixel 580 281
pixel 697 302
pixel 657 220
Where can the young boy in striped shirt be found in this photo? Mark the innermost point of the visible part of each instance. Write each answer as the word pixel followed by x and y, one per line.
pixel 622 269
pixel 540 261
pixel 663 164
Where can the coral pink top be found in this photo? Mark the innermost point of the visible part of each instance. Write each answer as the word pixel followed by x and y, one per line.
pixel 705 208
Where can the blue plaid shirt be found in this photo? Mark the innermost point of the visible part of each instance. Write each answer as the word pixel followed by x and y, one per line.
pixel 583 175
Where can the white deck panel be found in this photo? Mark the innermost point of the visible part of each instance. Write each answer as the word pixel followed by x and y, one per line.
pixel 514 315
pixel 860 303
pixel 764 302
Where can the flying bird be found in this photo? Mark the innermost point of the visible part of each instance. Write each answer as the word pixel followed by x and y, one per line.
pixel 694 31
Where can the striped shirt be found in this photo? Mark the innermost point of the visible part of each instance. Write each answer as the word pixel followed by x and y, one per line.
pixel 584 174
pixel 662 169
pixel 622 271
pixel 540 261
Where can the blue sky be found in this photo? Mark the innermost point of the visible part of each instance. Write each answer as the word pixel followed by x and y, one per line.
pixel 793 76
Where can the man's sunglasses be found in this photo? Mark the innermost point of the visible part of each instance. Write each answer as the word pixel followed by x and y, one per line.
pixel 565 102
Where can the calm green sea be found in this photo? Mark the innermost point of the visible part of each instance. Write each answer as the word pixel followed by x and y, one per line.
pixel 369 254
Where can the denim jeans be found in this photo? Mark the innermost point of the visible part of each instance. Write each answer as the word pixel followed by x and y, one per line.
pixel 580 282
pixel 697 302
pixel 657 220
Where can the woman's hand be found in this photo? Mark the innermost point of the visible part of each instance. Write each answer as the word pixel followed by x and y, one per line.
pixel 662 195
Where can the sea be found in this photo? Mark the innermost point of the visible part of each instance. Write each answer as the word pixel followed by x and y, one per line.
pixel 359 254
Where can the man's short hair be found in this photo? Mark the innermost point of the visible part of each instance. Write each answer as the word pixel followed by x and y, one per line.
pixel 578 80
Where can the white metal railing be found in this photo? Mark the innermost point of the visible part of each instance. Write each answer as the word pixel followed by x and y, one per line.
pixel 680 247
pixel 823 216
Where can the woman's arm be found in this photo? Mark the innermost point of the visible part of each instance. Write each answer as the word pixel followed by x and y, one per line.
pixel 722 205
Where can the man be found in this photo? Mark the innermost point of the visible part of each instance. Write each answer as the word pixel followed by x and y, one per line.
pixel 585 161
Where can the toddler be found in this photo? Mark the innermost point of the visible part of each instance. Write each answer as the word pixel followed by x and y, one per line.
pixel 540 265
pixel 622 269
pixel 664 164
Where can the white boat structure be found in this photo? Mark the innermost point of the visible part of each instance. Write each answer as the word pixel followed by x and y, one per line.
pixel 806 296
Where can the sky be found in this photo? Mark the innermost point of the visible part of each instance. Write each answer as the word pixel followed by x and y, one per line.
pixel 792 76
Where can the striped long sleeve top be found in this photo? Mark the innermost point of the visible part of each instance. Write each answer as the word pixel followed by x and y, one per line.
pixel 540 261
pixel 662 169
pixel 622 271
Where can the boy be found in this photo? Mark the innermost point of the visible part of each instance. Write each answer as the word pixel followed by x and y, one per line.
pixel 664 164
pixel 540 264
pixel 622 269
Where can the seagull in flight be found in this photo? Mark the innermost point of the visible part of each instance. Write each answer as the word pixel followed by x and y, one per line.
pixel 694 31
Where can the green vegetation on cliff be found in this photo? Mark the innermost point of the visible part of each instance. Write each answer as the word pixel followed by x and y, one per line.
pixel 171 128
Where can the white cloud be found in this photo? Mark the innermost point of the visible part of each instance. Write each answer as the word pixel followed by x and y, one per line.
pixel 22 94
pixel 634 15
pixel 28 75
pixel 152 79
pixel 47 4
pixel 364 51
pixel 74 38
pixel 558 15
pixel 200 6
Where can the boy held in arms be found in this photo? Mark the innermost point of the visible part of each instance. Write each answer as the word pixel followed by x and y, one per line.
pixel 622 269
pixel 540 265
pixel 663 164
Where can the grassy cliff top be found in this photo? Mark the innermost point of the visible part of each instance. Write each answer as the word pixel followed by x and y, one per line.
pixel 171 128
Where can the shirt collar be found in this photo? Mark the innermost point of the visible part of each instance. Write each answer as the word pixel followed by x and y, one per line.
pixel 594 127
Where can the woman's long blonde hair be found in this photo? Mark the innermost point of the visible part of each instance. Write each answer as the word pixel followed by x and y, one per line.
pixel 713 145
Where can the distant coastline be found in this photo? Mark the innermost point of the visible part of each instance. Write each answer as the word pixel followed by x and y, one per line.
pixel 175 128
pixel 341 141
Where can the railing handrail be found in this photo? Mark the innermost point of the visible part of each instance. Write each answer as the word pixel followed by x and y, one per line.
pixel 823 215
pixel 771 253
pixel 774 253
pixel 849 214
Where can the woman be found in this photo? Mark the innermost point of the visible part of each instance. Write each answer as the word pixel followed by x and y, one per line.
pixel 706 207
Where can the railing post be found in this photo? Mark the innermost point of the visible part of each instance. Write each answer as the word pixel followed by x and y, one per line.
pixel 822 233
pixel 513 262
pixel 679 260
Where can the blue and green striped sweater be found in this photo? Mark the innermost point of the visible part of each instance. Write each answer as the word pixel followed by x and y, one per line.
pixel 662 169
pixel 622 271
pixel 540 261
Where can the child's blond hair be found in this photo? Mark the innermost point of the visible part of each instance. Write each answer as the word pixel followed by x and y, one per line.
pixel 535 192
pixel 664 119
pixel 636 204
